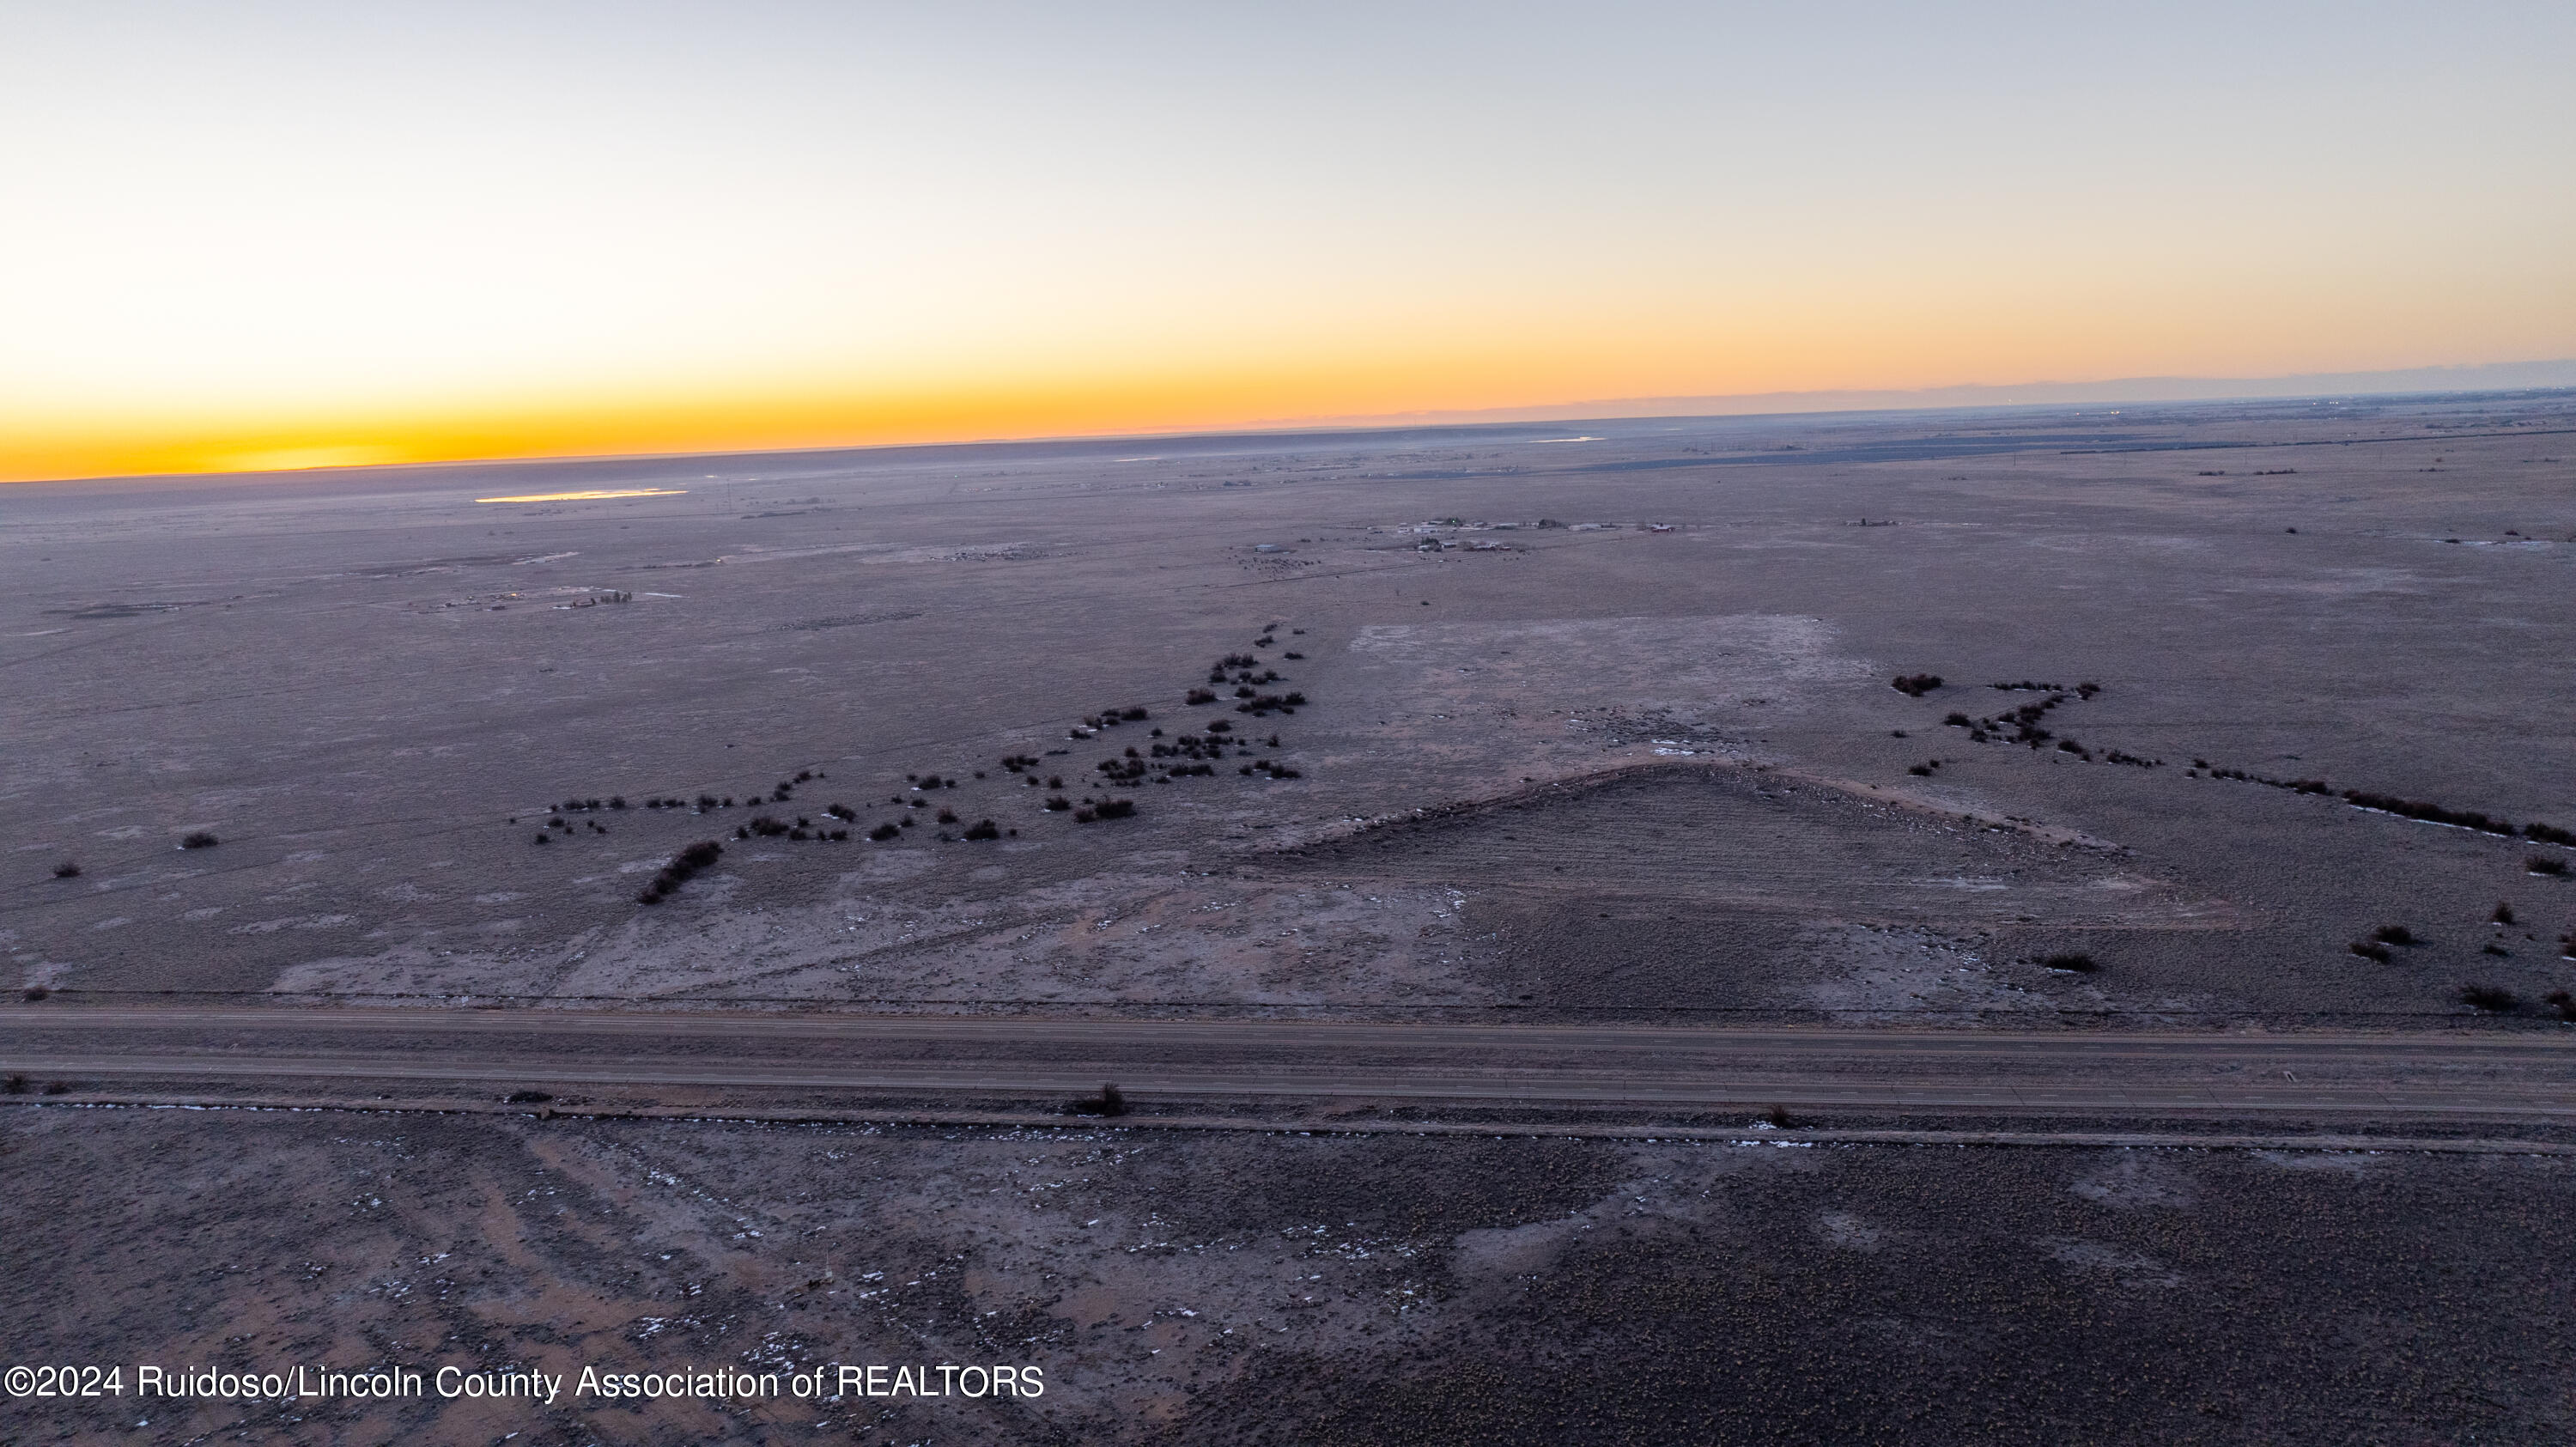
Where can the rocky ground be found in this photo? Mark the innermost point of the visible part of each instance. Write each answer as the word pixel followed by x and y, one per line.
pixel 1254 1287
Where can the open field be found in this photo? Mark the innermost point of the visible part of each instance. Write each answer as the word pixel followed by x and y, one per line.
pixel 371 688
pixel 1544 776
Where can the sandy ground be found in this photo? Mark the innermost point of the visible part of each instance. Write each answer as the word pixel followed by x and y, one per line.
pixel 1293 1289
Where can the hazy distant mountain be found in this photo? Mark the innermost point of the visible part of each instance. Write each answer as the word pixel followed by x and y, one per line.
pixel 2500 376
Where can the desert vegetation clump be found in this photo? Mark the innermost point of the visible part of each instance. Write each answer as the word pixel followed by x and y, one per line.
pixel 984 829
pixel 2430 813
pixel 68 869
pixel 2072 962
pixel 35 993
pixel 2565 1004
pixel 683 866
pixel 884 832
pixel 2395 934
pixel 1915 685
pixel 1057 804
pixel 14 1085
pixel 1107 1102
pixel 2549 834
pixel 2371 950
pixel 2542 864
pixel 2488 999
pixel 1105 809
pixel 199 839
pixel 2503 913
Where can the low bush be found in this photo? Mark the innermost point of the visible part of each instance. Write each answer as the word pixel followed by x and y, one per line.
pixel 1107 1102
pixel 2073 962
pixel 67 870
pixel 2429 813
pixel 884 832
pixel 1058 804
pixel 2549 834
pixel 199 840
pixel 14 1085
pixel 683 866
pixel 2565 1003
pixel 1778 1118
pixel 2488 998
pixel 36 992
pixel 2371 950
pixel 984 829
pixel 1915 685
pixel 1920 771
pixel 2394 934
pixel 947 816
pixel 2543 864
pixel 2503 912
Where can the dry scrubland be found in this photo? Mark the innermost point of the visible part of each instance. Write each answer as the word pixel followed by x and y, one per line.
pixel 1459 724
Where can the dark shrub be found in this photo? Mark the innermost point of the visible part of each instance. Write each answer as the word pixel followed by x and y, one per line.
pixel 1058 804
pixel 1107 1102
pixel 2394 934
pixel 2489 998
pixel 36 992
pixel 2503 912
pixel 1915 685
pixel 58 1087
pixel 67 870
pixel 2543 864
pixel 2371 950
pixel 2565 1002
pixel 2492 948
pixel 14 1085
pixel 199 840
pixel 1055 781
pixel 841 811
pixel 544 838
pixel 617 802
pixel 984 829
pixel 2074 962
pixel 2549 834
pixel 528 1097
pixel 1778 1117
pixel 2430 813
pixel 884 832
pixel 947 816
pixel 1920 771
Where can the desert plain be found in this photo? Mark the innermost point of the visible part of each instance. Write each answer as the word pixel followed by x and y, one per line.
pixel 2021 925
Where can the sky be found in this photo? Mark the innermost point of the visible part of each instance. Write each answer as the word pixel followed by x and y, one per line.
pixel 269 235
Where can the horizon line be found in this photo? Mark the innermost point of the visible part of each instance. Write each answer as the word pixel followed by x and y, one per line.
pixel 2547 374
